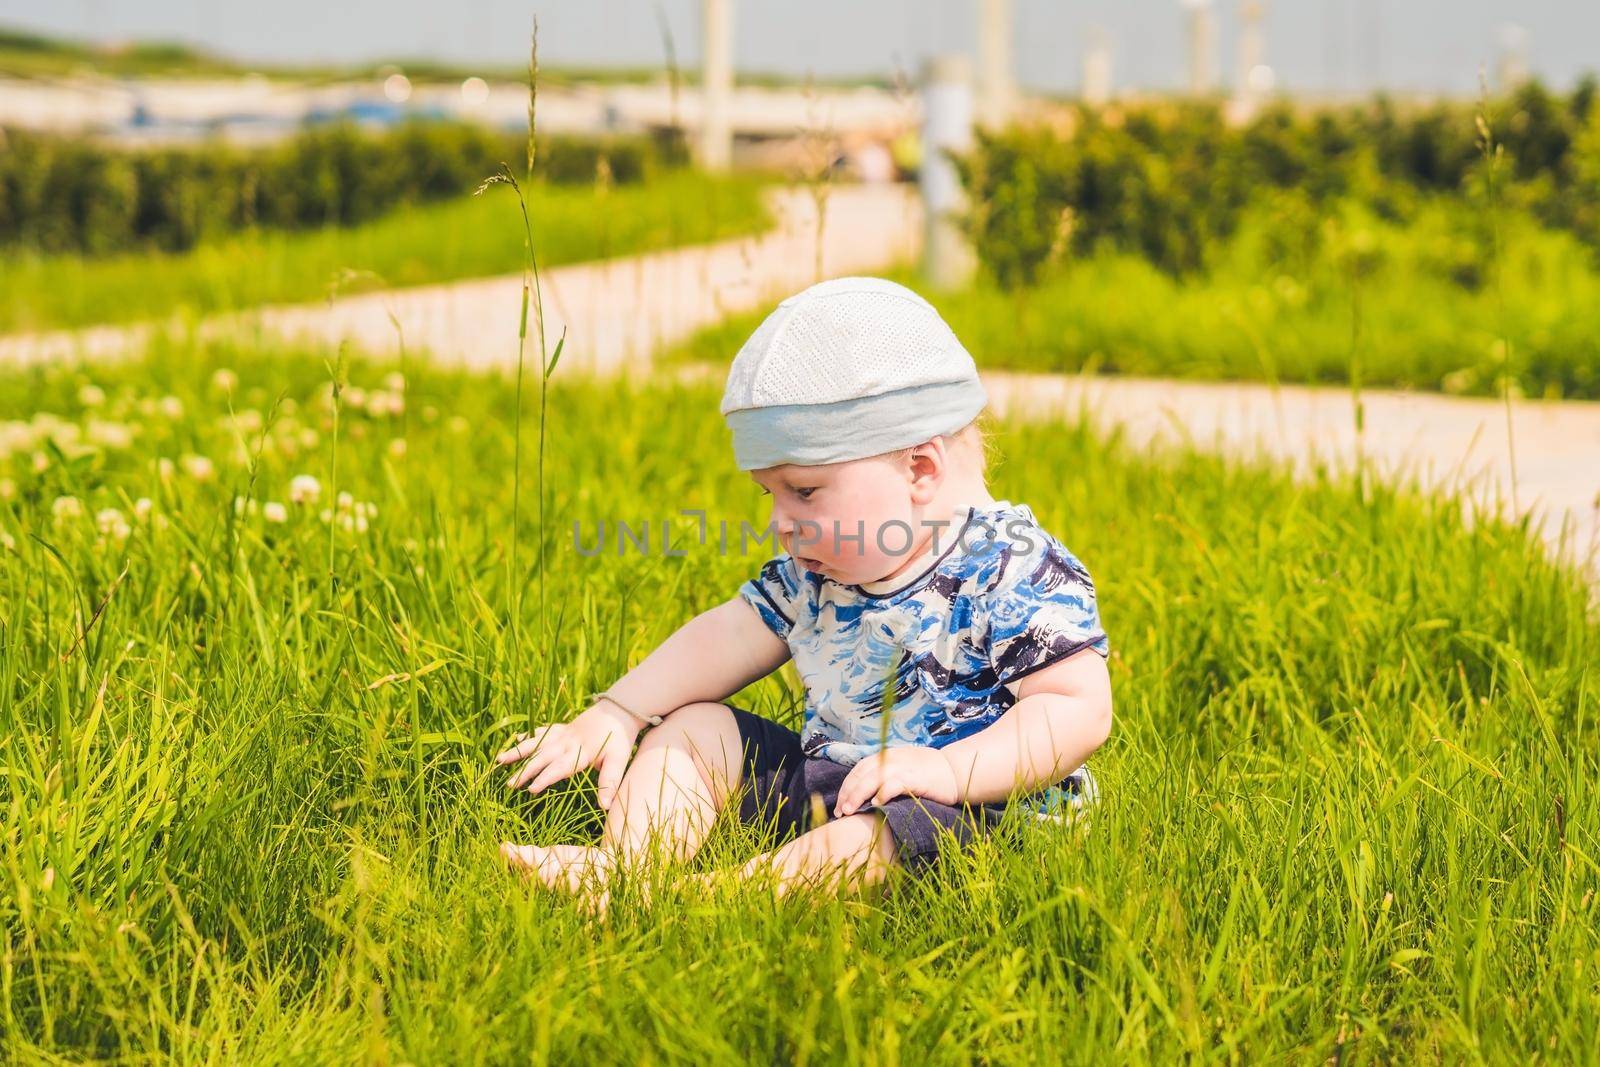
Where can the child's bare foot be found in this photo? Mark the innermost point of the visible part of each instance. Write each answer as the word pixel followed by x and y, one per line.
pixel 577 869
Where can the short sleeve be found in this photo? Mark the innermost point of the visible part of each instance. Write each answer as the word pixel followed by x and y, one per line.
pixel 1041 610
pixel 774 592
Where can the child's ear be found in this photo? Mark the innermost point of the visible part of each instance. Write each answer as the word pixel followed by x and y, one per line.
pixel 926 463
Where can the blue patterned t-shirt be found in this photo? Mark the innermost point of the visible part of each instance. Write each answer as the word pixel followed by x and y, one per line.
pixel 1001 599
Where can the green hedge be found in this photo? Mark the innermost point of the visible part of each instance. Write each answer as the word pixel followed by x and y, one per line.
pixel 62 194
pixel 1169 181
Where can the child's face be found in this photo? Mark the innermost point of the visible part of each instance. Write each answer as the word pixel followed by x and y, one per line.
pixel 854 522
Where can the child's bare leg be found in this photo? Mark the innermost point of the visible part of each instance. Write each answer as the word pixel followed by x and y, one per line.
pixel 679 779
pixel 853 852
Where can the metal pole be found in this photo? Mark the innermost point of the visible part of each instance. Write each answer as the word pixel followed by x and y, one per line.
pixel 1202 47
pixel 1255 77
pixel 716 132
pixel 1511 67
pixel 1097 70
pixel 947 107
pixel 995 88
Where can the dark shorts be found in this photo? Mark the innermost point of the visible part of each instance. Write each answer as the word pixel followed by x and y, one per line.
pixel 780 780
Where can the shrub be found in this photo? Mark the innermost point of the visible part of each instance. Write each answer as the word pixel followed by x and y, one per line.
pixel 71 195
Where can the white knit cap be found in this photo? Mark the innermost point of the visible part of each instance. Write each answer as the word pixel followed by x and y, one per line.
pixel 849 368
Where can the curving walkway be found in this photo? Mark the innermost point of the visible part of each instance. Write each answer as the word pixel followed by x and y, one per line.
pixel 617 312
pixel 1454 444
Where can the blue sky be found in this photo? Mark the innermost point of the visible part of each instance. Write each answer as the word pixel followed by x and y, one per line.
pixel 1430 45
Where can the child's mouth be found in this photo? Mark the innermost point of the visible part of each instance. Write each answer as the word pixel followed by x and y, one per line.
pixel 808 563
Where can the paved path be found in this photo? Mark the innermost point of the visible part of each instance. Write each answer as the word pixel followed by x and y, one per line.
pixel 1453 443
pixel 617 312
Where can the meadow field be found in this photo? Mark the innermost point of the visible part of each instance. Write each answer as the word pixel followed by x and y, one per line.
pixel 265 616
pixel 466 237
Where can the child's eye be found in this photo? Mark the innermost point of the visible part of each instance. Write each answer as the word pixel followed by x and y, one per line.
pixel 804 492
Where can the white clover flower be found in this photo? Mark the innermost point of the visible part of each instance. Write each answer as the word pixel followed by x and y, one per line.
pixel 171 407
pixel 394 381
pixel 199 468
pixel 304 489
pixel 248 420
pixel 345 501
pixel 367 508
pixel 66 507
pixel 91 396
pixel 8 489
pixel 15 437
pixel 112 524
pixel 41 462
pixel 115 436
pixel 355 522
pixel 224 380
pixel 273 511
pixel 397 448
pixel 47 424
pixel 309 439
pixel 243 505
pixel 142 508
pixel 354 397
pixel 382 402
pixel 288 406
pixel 166 468
pixel 326 515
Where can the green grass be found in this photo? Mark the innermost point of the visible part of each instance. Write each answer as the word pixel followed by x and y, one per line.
pixel 467 238
pixel 1295 298
pixel 248 813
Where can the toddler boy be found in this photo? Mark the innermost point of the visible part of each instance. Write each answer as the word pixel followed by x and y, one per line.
pixel 950 648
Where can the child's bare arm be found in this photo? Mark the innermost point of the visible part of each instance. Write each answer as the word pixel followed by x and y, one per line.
pixel 710 657
pixel 1062 714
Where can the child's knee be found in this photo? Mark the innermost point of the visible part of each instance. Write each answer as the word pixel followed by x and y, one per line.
pixel 708 734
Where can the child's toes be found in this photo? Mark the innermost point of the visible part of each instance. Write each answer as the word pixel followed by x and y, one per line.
pixel 521 858
pixel 595 901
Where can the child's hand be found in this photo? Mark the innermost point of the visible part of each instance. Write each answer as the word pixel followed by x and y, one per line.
pixel 905 770
pixel 601 737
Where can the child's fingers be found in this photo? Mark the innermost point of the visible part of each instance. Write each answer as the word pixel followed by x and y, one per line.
pixel 613 761
pixel 857 786
pixel 891 788
pixel 535 764
pixel 562 765
pixel 526 745
pixel 847 792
